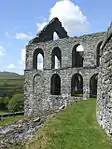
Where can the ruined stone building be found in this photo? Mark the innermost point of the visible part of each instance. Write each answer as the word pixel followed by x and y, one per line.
pixel 67 71
pixel 73 68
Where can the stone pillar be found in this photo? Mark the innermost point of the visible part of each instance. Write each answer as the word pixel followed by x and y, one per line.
pixel 86 89
pixel 47 58
pixel 28 94
pixel 29 58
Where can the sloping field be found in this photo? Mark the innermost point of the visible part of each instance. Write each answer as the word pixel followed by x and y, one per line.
pixel 10 82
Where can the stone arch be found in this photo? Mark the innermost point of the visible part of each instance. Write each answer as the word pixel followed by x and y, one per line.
pixel 56 58
pixel 77 56
pixel 55 84
pixel 76 84
pixel 36 81
pixel 98 53
pixel 93 85
pixel 36 54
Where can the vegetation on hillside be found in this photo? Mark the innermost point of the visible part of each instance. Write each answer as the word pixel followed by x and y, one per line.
pixel 16 103
pixel 10 120
pixel 10 85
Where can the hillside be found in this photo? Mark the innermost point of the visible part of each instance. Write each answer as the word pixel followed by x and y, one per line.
pixel 73 128
pixel 10 83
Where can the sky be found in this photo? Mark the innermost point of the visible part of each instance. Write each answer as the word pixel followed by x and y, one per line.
pixel 22 19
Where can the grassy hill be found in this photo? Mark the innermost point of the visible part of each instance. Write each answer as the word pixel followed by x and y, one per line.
pixel 10 83
pixel 73 128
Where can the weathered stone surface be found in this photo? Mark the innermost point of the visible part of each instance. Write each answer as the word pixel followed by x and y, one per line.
pixel 62 107
pixel 104 99
pixel 47 33
pixel 21 131
pixel 37 93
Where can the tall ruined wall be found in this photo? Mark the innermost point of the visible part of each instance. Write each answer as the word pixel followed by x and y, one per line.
pixel 42 91
pixel 104 98
pixel 38 83
pixel 66 45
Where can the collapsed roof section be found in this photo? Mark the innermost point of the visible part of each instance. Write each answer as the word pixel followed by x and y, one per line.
pixel 47 33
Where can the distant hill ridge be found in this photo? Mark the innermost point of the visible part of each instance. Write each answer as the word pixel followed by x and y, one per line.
pixel 10 83
pixel 5 73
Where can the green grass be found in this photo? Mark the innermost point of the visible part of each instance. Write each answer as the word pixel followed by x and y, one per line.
pixel 77 95
pixel 11 77
pixel 10 83
pixel 10 120
pixel 74 128
pixel 2 112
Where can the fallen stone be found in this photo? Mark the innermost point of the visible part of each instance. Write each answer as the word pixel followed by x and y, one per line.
pixel 62 107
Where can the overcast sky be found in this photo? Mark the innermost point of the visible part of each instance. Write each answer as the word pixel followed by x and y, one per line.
pixel 22 19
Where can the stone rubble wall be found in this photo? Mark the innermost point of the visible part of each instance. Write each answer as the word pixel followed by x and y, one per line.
pixel 37 83
pixel 66 45
pixel 40 98
pixel 21 131
pixel 104 98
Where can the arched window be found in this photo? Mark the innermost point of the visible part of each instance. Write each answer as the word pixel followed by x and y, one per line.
pixel 38 58
pixel 55 36
pixel 76 84
pixel 93 85
pixel 56 58
pixel 77 56
pixel 98 54
pixel 55 85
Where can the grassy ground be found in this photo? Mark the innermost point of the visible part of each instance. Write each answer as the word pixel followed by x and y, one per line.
pixel 10 82
pixel 78 95
pixel 2 112
pixel 74 128
pixel 11 119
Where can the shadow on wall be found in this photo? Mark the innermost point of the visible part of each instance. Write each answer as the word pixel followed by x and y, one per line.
pixel 93 86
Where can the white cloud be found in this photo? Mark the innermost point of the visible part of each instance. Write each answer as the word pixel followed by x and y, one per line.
pixel 80 48
pixel 55 36
pixel 23 53
pixel 2 51
pixel 70 15
pixel 11 66
pixel 40 62
pixel 22 58
pixel 20 35
pixel 21 62
pixel 23 35
pixel 41 25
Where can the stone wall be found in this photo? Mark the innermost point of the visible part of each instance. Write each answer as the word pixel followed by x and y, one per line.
pixel 37 83
pixel 104 99
pixel 66 45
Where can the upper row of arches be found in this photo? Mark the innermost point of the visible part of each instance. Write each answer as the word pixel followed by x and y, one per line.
pixel 56 57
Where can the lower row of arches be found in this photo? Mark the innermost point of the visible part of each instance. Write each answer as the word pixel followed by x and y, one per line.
pixel 76 85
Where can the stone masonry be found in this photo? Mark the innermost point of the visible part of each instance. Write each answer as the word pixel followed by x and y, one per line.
pixel 104 98
pixel 40 93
